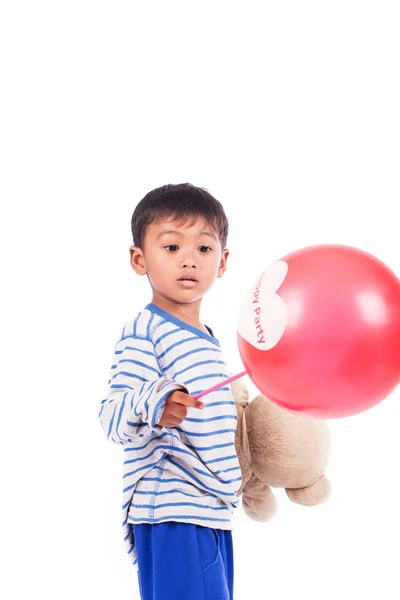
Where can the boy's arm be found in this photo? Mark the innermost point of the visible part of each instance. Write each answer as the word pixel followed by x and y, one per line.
pixel 137 392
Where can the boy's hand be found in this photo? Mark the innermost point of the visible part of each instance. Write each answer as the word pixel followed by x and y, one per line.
pixel 175 408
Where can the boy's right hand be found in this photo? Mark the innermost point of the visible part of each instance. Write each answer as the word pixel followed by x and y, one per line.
pixel 175 408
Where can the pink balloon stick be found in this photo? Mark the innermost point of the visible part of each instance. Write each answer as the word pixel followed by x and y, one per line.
pixel 216 387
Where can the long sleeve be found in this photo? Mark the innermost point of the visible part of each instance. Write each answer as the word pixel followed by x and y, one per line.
pixel 136 393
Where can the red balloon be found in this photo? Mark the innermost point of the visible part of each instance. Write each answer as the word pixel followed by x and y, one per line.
pixel 336 348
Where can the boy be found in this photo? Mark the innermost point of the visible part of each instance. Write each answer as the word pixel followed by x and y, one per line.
pixel 181 471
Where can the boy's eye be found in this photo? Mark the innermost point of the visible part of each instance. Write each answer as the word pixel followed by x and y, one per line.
pixel 174 247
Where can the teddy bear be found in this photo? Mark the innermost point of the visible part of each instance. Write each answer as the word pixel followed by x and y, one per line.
pixel 278 449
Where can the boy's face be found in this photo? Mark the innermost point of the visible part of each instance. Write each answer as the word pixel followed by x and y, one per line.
pixel 172 252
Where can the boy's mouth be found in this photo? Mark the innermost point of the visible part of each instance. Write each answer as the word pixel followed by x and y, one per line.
pixel 187 281
pixel 187 278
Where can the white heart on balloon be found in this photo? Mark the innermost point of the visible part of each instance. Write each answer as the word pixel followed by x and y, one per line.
pixel 263 316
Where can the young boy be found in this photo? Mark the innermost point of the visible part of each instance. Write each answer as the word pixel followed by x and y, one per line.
pixel 181 471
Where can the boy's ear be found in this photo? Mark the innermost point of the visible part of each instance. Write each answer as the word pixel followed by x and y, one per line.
pixel 222 264
pixel 137 260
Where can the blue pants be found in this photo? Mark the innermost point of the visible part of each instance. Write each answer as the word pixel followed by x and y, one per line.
pixel 183 561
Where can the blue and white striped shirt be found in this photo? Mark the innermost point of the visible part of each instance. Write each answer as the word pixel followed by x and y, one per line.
pixel 189 473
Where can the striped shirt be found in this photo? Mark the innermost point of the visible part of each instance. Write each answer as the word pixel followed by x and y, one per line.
pixel 188 473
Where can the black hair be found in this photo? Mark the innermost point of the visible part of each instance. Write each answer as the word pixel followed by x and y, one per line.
pixel 180 202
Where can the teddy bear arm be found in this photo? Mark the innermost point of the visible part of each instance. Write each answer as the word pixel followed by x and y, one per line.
pixel 259 503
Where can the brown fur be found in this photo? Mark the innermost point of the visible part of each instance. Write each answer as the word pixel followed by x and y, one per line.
pixel 286 451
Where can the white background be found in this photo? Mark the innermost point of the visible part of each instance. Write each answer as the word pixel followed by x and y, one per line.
pixel 288 112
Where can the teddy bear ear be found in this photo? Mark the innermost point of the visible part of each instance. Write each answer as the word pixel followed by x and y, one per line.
pixel 316 493
pixel 239 390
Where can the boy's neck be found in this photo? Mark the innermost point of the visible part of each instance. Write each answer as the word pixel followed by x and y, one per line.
pixel 189 313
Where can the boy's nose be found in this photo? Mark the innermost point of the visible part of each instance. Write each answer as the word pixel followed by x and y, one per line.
pixel 188 261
